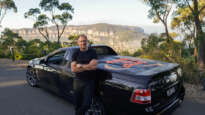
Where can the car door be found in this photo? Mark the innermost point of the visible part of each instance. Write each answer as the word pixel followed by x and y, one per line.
pixel 61 78
pixel 46 72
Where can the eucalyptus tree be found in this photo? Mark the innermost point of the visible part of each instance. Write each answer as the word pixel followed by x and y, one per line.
pixel 159 11
pixel 8 37
pixel 51 12
pixel 41 22
pixel 5 6
pixel 59 14
pixel 197 9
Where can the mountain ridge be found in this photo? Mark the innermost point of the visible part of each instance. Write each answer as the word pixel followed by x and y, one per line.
pixel 119 37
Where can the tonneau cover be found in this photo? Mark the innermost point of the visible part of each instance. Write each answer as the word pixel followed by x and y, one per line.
pixel 134 66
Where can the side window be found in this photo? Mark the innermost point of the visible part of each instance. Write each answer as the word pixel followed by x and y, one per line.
pixel 68 55
pixel 57 59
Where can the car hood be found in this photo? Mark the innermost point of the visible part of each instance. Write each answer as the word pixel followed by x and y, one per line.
pixel 134 66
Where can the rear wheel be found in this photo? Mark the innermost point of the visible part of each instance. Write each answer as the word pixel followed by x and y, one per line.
pixel 96 107
pixel 31 77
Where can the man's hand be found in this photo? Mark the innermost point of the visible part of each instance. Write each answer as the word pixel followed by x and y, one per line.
pixel 76 67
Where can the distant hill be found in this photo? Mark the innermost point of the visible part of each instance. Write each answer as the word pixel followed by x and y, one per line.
pixel 120 37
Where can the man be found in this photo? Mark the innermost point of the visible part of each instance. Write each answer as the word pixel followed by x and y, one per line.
pixel 84 62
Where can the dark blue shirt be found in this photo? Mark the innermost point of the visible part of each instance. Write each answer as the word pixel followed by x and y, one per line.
pixel 84 57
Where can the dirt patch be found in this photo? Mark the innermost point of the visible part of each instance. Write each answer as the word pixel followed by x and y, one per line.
pixel 195 92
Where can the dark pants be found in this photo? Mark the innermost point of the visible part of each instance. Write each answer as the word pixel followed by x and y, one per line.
pixel 83 92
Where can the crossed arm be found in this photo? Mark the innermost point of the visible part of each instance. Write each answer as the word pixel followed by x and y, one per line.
pixel 83 67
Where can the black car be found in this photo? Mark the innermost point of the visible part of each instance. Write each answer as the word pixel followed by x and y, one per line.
pixel 124 84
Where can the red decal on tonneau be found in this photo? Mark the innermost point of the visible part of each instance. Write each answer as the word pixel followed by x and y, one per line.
pixel 127 63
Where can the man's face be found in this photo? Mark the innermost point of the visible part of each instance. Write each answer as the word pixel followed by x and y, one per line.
pixel 82 42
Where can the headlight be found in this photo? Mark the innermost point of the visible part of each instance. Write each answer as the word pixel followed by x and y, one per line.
pixel 179 71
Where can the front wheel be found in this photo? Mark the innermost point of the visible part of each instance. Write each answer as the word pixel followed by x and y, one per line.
pixel 96 107
pixel 31 77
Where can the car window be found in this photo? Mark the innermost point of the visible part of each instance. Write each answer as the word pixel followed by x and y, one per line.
pixel 103 51
pixel 57 58
pixel 69 53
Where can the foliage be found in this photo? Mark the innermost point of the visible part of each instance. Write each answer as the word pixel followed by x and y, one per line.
pixel 9 38
pixel 193 16
pixel 159 11
pixel 26 49
pixel 73 39
pixel 125 53
pixel 188 19
pixel 51 12
pixel 6 5
pixel 156 47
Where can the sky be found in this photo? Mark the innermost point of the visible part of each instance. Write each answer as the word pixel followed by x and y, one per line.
pixel 121 12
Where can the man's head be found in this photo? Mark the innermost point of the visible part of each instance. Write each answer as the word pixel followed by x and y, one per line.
pixel 82 42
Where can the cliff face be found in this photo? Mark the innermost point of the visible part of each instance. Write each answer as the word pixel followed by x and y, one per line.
pixel 121 38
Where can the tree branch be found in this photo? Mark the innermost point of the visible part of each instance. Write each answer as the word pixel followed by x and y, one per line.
pixel 192 10
pixel 39 29
pixel 47 34
pixel 159 16
pixel 63 30
pixel 201 9
pixel 169 10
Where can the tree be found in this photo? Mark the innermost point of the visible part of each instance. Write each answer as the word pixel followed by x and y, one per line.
pixel 159 11
pixel 8 38
pixel 40 22
pixel 60 14
pixel 51 12
pixel 5 6
pixel 196 7
pixel 156 47
pixel 73 39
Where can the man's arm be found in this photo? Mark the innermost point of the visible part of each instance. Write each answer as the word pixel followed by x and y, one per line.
pixel 91 66
pixel 75 68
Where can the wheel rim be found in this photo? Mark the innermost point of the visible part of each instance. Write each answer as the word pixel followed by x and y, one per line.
pixel 30 75
pixel 95 108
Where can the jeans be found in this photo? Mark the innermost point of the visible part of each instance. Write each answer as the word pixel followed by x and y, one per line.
pixel 83 92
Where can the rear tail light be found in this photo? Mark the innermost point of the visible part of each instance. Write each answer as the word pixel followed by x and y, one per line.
pixel 141 96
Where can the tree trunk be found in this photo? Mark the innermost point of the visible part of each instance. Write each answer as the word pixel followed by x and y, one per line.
pixel 195 54
pixel 167 32
pixel 201 54
pixel 200 42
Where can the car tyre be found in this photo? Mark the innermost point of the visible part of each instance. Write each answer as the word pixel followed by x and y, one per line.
pixel 31 77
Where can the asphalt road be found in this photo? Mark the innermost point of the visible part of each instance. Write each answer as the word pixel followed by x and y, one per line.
pixel 18 98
